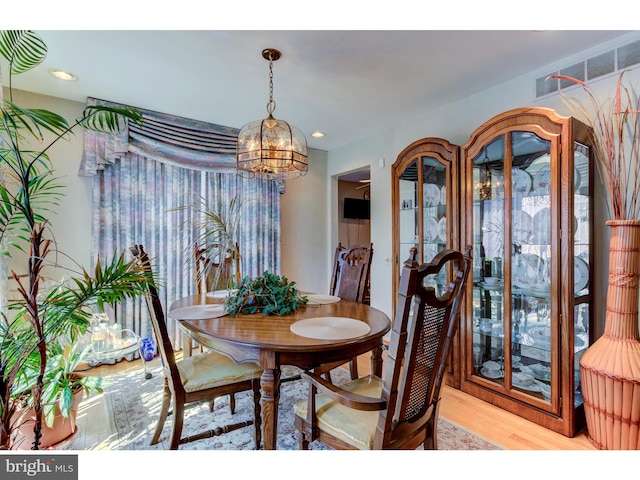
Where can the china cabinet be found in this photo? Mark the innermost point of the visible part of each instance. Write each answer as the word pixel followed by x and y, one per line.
pixel 425 204
pixel 520 191
pixel 527 210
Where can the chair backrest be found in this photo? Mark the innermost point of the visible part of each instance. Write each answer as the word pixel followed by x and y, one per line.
pixel 351 270
pixel 211 275
pixel 156 313
pixel 424 325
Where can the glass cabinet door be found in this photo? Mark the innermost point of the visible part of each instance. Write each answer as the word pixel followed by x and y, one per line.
pixel 527 212
pixel 426 215
pixel 516 301
pixel 423 179
pixel 409 212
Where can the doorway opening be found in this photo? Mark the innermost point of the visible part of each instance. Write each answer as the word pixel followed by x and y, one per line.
pixel 354 224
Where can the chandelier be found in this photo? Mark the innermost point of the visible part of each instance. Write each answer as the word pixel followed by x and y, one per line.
pixel 484 186
pixel 271 149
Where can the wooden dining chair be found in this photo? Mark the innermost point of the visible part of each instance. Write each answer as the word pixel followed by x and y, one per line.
pixel 350 281
pixel 401 411
pixel 210 275
pixel 351 273
pixel 199 378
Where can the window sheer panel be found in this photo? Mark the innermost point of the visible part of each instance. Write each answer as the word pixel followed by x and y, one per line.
pixel 136 200
pixel 143 174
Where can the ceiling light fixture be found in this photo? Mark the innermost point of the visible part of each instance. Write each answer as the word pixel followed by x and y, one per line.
pixel 271 149
pixel 318 134
pixel 484 183
pixel 63 75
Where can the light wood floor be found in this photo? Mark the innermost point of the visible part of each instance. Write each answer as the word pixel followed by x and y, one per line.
pixel 508 430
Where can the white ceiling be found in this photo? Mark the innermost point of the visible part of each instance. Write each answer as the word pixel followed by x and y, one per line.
pixel 349 84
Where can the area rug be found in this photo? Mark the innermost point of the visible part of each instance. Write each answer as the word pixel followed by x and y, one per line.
pixel 133 406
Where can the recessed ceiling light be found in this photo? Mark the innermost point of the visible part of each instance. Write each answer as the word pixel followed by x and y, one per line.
pixel 63 74
pixel 318 134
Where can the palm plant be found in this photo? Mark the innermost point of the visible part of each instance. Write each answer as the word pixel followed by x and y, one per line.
pixel 41 322
pixel 216 247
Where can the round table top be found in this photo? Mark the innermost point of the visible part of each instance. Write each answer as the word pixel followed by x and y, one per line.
pixel 274 332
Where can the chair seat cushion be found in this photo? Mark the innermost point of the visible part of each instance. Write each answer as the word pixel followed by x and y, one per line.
pixel 355 427
pixel 211 369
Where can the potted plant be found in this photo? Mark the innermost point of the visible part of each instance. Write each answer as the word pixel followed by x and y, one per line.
pixel 43 322
pixel 269 294
pixel 216 251
pixel 609 368
pixel 65 388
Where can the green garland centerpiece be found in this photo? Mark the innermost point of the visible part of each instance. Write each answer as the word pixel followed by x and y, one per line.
pixel 267 293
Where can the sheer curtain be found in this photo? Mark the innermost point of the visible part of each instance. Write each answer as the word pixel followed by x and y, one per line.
pixel 139 180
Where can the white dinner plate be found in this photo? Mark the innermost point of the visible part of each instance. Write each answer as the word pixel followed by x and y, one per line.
pixel 580 274
pixel 542 226
pixel 521 181
pixel 525 269
pixel 318 299
pixel 330 328
pixel 542 180
pixel 442 229
pixel 430 229
pixel 221 293
pixel 198 312
pixel 522 227
pixel 443 195
pixel 431 195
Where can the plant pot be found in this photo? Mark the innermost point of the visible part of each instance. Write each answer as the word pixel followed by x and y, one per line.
pixel 610 368
pixel 63 428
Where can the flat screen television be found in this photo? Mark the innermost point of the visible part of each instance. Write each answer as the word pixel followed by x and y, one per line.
pixel 357 208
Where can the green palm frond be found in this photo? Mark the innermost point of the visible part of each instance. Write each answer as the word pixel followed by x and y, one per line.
pixel 69 307
pixel 23 49
pixel 34 120
pixel 105 119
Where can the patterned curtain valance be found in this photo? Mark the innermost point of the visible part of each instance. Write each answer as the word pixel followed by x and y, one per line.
pixel 165 138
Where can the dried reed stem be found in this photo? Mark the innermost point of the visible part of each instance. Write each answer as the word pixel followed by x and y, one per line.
pixel 615 133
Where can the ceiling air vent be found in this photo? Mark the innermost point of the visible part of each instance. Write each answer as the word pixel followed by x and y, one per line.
pixel 601 65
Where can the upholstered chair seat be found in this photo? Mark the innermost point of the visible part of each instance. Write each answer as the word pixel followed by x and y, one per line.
pixel 401 411
pixel 211 369
pixel 355 427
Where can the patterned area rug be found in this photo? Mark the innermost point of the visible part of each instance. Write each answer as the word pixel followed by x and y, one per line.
pixel 133 405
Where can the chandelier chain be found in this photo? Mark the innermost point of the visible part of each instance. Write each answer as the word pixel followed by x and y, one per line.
pixel 271 106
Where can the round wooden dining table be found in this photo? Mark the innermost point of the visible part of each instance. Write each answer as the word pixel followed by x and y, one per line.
pixel 271 342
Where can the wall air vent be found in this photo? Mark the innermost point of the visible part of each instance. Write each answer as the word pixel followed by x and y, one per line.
pixel 626 56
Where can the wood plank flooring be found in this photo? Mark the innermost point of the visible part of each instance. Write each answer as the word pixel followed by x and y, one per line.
pixel 508 430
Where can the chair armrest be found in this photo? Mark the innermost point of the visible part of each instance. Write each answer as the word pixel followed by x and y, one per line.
pixel 344 397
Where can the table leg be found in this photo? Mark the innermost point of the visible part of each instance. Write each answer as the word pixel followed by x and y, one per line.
pixel 376 361
pixel 270 385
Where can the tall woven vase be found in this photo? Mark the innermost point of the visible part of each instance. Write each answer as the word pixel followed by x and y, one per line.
pixel 610 368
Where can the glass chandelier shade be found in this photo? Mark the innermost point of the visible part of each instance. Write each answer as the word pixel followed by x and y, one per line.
pixel 271 149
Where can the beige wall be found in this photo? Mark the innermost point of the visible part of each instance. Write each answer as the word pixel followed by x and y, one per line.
pixel 304 227
pixel 71 220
